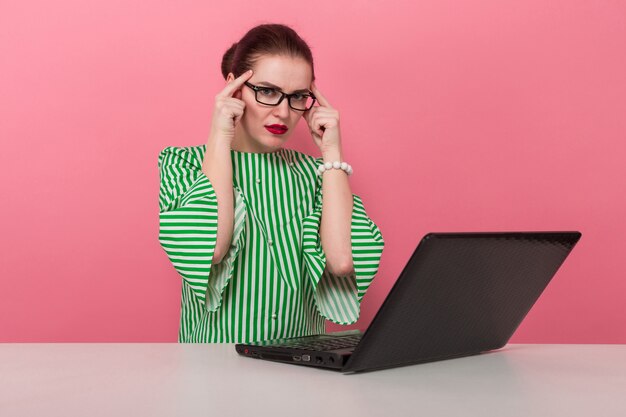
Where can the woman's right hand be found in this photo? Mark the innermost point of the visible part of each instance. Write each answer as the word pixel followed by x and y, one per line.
pixel 228 108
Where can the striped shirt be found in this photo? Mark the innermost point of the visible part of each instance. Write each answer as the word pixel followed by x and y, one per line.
pixel 273 281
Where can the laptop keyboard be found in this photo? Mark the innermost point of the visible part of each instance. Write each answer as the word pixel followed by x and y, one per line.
pixel 341 342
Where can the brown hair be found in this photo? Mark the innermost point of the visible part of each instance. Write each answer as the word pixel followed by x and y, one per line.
pixel 265 39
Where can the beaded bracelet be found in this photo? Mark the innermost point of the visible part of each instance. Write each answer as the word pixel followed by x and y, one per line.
pixel 335 165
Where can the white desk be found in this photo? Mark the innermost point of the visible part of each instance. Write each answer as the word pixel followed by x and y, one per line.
pixel 212 380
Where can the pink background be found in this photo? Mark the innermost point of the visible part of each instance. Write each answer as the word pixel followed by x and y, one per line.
pixel 456 116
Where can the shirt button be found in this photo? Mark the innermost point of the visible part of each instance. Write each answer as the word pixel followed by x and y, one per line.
pixel 274 316
pixel 291 164
pixel 258 180
pixel 269 241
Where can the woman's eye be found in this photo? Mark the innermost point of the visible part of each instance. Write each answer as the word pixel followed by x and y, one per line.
pixel 266 91
pixel 299 96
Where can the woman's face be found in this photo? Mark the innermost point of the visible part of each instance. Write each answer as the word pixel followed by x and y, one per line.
pixel 289 75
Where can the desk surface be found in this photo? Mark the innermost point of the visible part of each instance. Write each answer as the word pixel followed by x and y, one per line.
pixel 165 379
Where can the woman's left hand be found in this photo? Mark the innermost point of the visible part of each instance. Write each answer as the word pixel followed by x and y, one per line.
pixel 323 123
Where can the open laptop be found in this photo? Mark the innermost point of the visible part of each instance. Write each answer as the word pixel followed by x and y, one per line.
pixel 459 294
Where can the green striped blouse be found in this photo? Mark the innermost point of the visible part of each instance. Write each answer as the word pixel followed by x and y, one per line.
pixel 273 281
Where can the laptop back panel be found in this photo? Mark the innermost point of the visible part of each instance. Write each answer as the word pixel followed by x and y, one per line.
pixel 460 294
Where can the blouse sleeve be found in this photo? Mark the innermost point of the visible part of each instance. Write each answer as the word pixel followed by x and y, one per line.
pixel 188 225
pixel 338 298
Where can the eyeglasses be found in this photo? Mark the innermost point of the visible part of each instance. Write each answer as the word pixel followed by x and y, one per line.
pixel 272 97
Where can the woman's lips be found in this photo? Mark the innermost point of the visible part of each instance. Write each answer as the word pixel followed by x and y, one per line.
pixel 276 129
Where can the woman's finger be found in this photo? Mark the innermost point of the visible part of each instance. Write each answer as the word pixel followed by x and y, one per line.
pixel 235 84
pixel 308 115
pixel 319 96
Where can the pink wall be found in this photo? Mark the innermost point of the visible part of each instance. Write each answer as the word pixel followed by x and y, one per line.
pixel 456 116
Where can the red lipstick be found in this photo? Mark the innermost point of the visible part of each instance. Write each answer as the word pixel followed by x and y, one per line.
pixel 277 129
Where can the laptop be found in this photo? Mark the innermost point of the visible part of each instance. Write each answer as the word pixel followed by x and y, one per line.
pixel 460 294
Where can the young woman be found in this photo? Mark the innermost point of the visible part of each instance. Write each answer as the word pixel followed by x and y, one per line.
pixel 269 241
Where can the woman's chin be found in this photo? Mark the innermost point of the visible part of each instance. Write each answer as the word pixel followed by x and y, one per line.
pixel 273 140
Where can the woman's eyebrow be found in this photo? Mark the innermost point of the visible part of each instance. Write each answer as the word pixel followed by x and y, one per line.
pixel 268 84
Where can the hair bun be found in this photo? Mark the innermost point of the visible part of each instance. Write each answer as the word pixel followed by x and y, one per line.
pixel 227 60
pixel 265 40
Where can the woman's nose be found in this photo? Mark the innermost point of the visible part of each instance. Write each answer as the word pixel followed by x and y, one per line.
pixel 282 110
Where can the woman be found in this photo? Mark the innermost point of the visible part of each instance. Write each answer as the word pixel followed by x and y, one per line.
pixel 241 217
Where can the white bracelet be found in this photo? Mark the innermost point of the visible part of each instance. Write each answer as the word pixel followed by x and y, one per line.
pixel 334 165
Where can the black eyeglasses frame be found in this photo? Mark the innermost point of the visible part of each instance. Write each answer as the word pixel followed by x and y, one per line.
pixel 256 89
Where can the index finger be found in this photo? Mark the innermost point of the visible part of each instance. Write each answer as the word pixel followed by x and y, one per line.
pixel 236 84
pixel 318 95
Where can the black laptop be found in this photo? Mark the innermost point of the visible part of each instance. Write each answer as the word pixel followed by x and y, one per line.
pixel 459 294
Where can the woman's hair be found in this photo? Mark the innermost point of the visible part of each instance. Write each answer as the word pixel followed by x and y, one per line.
pixel 261 40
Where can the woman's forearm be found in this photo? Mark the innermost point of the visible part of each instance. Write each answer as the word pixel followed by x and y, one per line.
pixel 218 167
pixel 335 227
